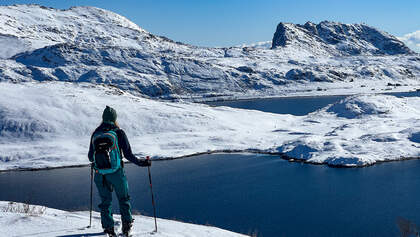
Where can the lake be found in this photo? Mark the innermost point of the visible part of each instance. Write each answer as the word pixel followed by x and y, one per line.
pixel 294 105
pixel 247 193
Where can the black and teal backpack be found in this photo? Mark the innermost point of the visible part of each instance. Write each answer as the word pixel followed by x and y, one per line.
pixel 107 156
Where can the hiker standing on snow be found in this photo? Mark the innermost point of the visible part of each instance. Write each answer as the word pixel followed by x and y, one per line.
pixel 107 145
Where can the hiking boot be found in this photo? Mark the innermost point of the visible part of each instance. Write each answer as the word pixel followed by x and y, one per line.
pixel 126 228
pixel 110 232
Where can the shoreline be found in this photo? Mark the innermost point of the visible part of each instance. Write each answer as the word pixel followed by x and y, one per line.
pixel 204 99
pixel 264 150
pixel 295 95
pixel 245 151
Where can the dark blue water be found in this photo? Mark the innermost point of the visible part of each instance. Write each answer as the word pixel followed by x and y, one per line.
pixel 293 105
pixel 248 193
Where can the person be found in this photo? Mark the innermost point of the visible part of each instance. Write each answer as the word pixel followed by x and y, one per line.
pixel 117 180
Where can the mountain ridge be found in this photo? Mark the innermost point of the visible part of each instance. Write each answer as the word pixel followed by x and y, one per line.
pixel 347 39
pixel 88 44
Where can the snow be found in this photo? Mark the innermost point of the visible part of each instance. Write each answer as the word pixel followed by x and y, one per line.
pixel 88 44
pixel 11 46
pixel 49 125
pixel 362 106
pixel 37 26
pixel 361 130
pixel 55 222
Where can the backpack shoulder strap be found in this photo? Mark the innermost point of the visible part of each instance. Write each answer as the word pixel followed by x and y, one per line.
pixel 117 131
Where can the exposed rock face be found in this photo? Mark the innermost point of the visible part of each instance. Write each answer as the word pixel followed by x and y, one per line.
pixel 338 39
pixel 282 35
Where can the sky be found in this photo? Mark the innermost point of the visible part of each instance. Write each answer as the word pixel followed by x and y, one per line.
pixel 237 22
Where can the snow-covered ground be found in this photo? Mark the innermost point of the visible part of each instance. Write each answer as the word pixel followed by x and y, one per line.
pixel 49 125
pixel 53 222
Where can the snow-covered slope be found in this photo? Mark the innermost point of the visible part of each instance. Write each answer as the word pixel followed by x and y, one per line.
pixel 49 125
pixel 360 130
pixel 35 27
pixel 87 44
pixel 53 222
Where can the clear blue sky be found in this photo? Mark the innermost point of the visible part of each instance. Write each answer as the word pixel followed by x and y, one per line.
pixel 234 22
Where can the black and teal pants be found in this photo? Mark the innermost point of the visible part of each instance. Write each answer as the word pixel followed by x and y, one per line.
pixel 106 184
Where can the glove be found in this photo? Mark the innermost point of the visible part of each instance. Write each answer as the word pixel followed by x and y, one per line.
pixel 144 162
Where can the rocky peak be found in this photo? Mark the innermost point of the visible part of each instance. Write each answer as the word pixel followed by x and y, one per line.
pixel 338 39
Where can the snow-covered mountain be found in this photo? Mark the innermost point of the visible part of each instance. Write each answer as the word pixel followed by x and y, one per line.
pixel 87 44
pixel 338 39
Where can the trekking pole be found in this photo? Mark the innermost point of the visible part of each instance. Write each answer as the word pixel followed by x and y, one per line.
pixel 151 190
pixel 91 197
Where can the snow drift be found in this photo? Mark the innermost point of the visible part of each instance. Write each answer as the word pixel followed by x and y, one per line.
pixel 63 223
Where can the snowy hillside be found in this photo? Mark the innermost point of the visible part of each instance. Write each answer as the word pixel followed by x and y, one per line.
pixel 34 27
pixel 87 44
pixel 53 222
pixel 49 125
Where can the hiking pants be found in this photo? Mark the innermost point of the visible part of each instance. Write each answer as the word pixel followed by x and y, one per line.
pixel 106 184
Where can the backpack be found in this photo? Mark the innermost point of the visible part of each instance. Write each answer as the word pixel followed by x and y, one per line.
pixel 107 156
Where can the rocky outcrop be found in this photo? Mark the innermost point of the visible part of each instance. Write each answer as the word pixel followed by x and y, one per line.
pixel 338 39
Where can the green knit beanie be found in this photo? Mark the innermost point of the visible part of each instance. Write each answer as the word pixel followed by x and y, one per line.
pixel 109 115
